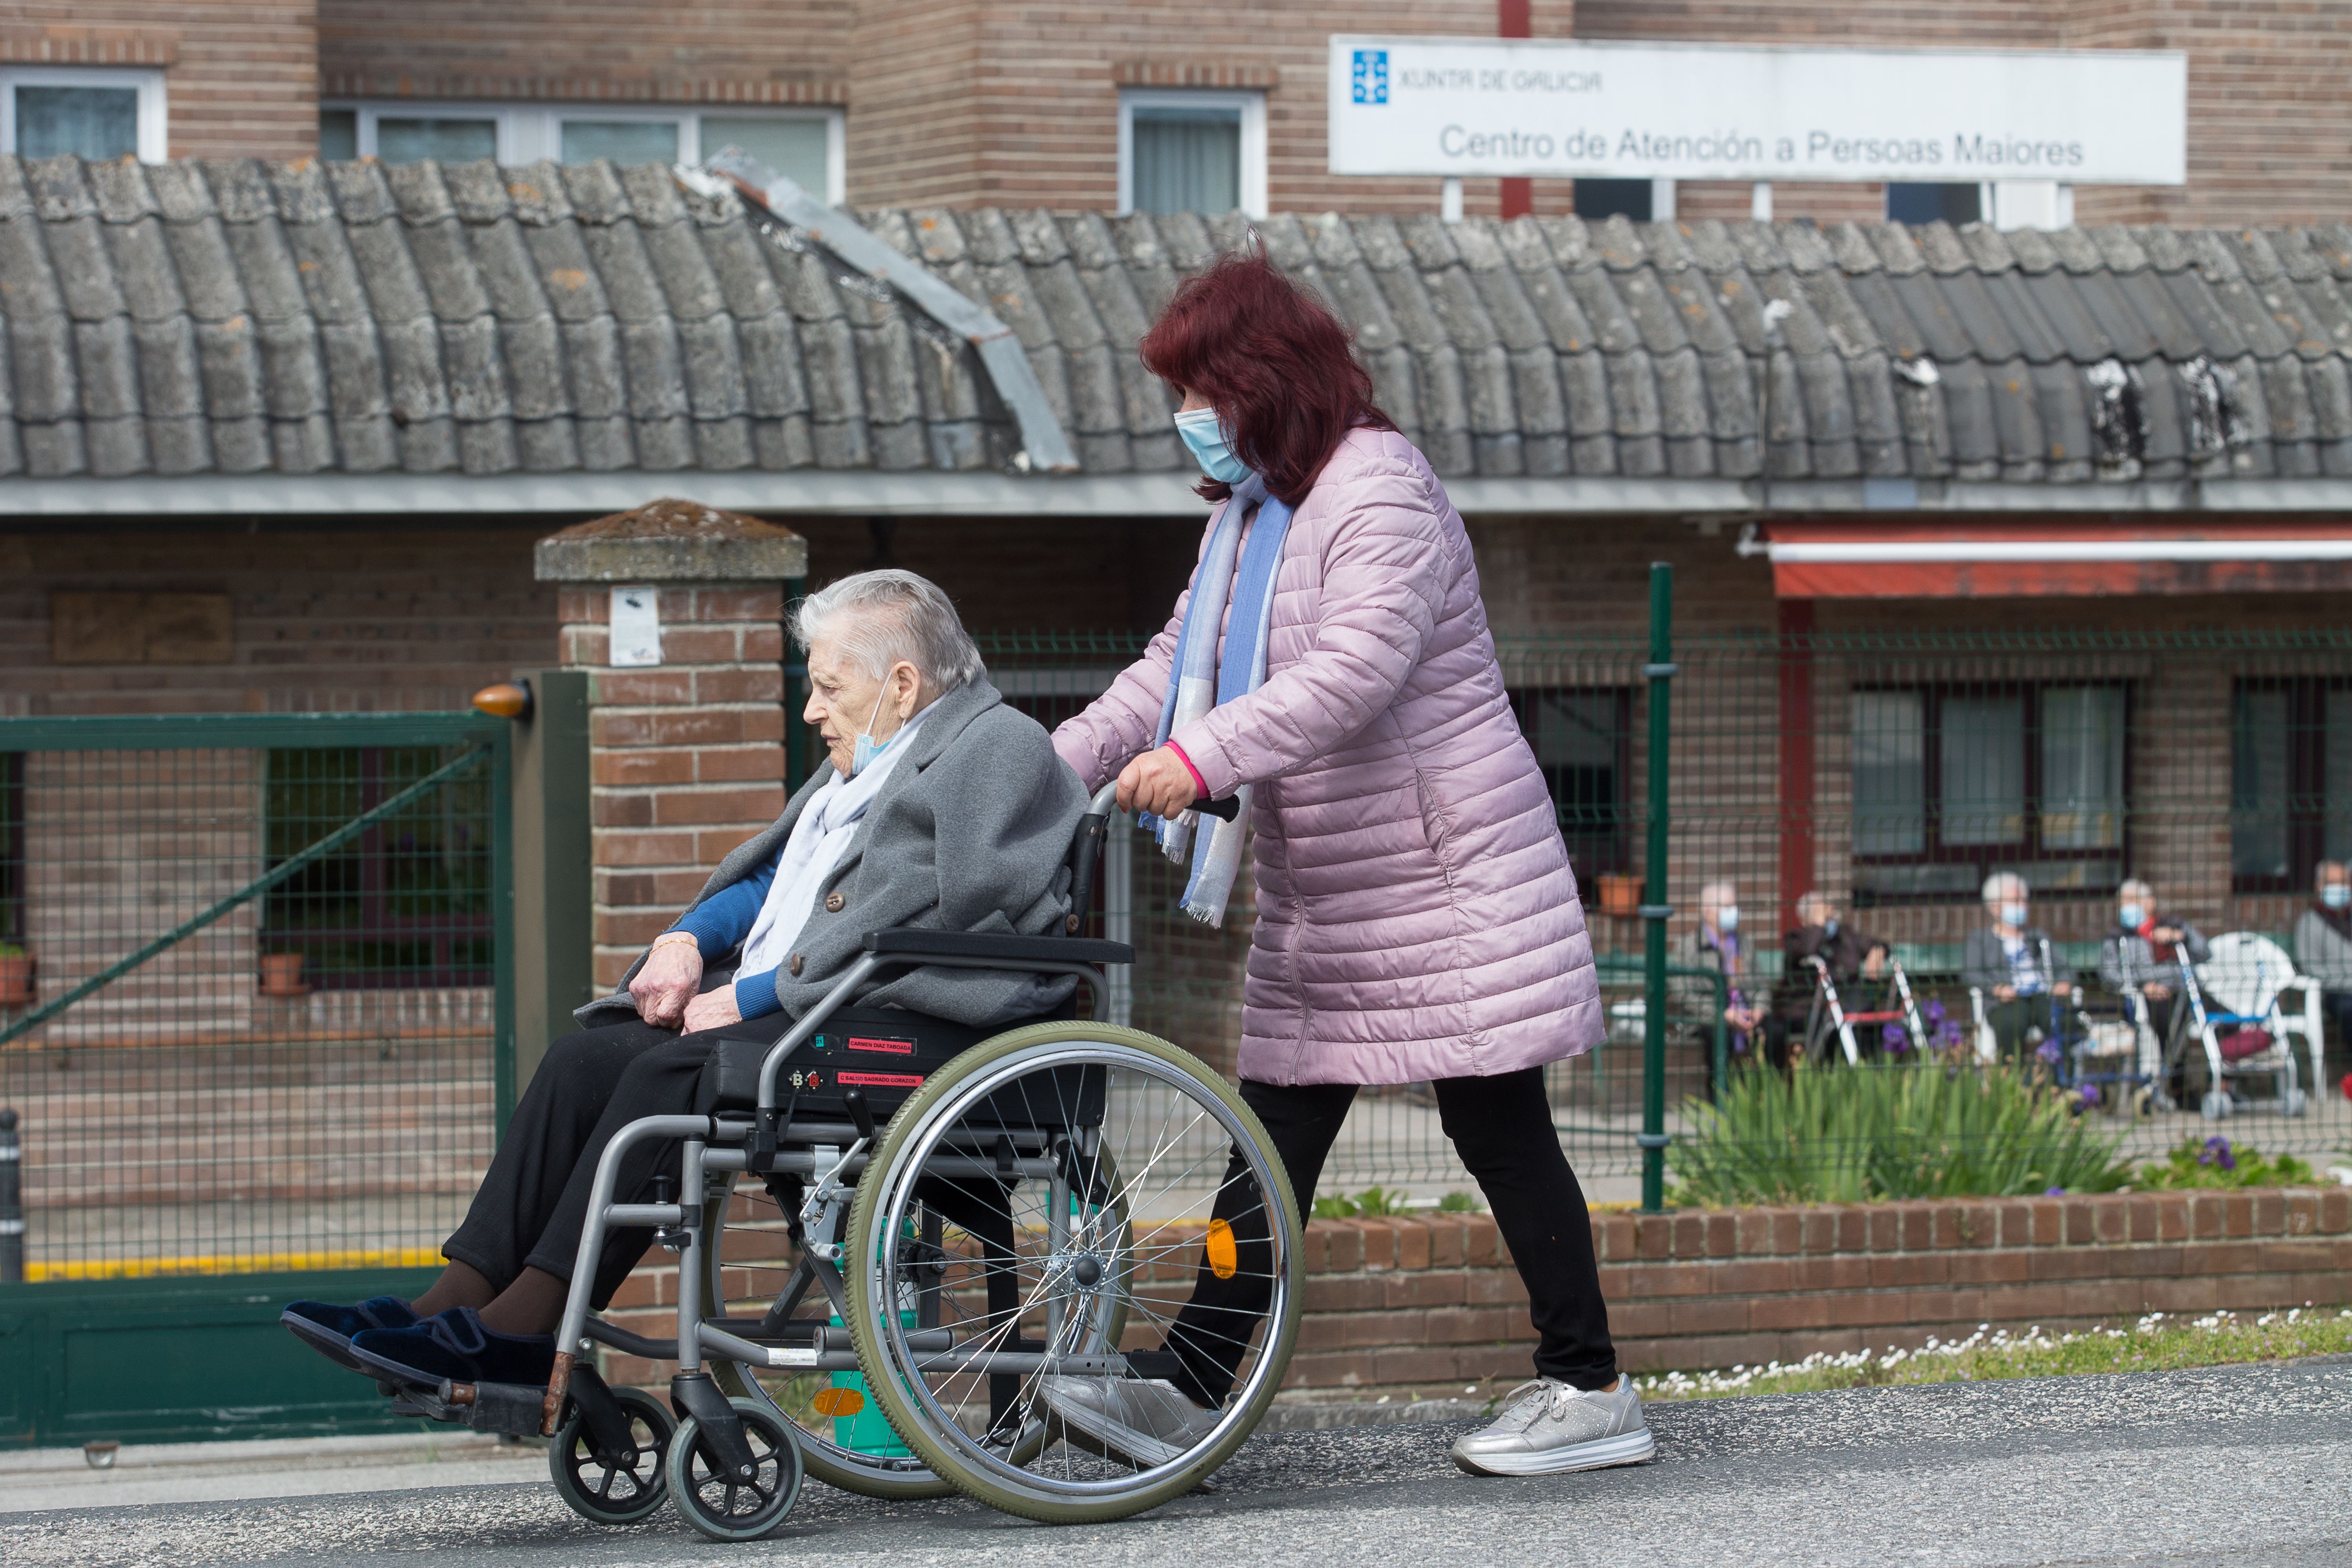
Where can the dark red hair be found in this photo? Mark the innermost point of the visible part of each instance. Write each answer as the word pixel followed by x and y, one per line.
pixel 1274 363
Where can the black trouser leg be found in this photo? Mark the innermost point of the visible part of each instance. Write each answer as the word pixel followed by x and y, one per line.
pixel 1502 1128
pixel 553 1129
pixel 1211 1333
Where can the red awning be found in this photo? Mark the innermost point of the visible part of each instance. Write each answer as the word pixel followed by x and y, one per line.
pixel 1935 559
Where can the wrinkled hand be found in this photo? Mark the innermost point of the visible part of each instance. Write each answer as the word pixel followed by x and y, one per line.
pixel 1874 963
pixel 1158 782
pixel 712 1009
pixel 2155 992
pixel 666 983
pixel 2004 993
pixel 2061 990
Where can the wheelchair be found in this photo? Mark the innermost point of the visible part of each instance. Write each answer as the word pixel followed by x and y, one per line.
pixel 893 1230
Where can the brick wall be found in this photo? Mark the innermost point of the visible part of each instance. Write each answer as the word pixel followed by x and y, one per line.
pixel 1017 103
pixel 686 758
pixel 733 51
pixel 1427 1305
pixel 2270 126
pixel 241 79
pixel 324 619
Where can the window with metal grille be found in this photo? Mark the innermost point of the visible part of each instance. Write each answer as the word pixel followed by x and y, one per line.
pixel 2290 780
pixel 406 903
pixel 1951 782
pixel 1582 738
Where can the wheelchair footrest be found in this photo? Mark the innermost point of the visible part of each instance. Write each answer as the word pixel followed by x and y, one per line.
pixel 512 1408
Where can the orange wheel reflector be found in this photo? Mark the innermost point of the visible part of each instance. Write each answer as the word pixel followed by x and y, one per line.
pixel 503 701
pixel 1225 1256
pixel 838 1403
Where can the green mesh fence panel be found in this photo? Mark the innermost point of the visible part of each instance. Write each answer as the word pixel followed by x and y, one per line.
pixel 1893 772
pixel 285 1056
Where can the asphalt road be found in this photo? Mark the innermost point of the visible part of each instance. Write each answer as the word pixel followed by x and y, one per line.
pixel 2233 1466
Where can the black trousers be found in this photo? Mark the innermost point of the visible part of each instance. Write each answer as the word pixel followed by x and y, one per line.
pixel 532 1203
pixel 1502 1128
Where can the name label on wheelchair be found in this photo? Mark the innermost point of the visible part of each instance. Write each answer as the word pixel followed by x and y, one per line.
pixel 888 1047
pixel 786 1355
pixel 879 1079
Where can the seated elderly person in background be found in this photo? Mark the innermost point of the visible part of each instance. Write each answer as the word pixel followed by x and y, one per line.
pixel 2144 951
pixel 1715 944
pixel 942 809
pixel 2323 945
pixel 2015 965
pixel 1821 932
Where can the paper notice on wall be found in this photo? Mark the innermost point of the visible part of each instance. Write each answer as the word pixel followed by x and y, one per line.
pixel 637 627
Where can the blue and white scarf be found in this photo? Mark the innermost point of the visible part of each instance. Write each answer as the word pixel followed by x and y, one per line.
pixel 1241 574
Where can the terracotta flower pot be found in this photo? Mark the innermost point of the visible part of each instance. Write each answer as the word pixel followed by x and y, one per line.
pixel 16 981
pixel 281 975
pixel 1620 893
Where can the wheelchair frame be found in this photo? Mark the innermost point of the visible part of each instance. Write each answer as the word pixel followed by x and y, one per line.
pixel 829 1158
pixel 1841 1023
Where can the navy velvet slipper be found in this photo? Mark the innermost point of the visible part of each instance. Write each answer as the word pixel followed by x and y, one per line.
pixel 328 1327
pixel 454 1346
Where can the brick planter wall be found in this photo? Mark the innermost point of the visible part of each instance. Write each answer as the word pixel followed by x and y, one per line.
pixel 1427 1305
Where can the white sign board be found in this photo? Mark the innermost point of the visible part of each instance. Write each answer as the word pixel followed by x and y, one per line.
pixel 635 628
pixel 1703 112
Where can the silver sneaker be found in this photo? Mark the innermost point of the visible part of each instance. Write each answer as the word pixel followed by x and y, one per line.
pixel 1147 1423
pixel 1547 1428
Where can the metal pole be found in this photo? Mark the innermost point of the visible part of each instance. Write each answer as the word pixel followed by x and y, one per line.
pixel 12 1202
pixel 795 674
pixel 1660 671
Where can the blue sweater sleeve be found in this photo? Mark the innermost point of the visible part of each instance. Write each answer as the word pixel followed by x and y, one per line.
pixel 755 995
pixel 721 922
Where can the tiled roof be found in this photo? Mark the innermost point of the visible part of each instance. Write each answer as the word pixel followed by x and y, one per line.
pixel 242 317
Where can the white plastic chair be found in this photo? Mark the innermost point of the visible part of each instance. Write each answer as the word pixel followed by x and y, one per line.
pixel 2250 974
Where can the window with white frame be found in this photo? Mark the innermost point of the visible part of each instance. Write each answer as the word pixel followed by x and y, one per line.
pixel 1191 151
pixel 100 114
pixel 805 144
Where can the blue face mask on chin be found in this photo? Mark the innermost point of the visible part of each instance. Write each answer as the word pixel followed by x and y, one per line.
pixel 1206 436
pixel 867 749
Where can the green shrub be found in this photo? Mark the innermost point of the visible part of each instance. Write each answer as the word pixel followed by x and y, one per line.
pixel 1371 1203
pixel 2214 1163
pixel 1858 1134
pixel 1460 1203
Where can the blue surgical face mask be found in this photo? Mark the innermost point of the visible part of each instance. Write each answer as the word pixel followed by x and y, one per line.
pixel 1203 433
pixel 1828 926
pixel 2132 915
pixel 2337 894
pixel 2014 914
pixel 867 749
pixel 1727 917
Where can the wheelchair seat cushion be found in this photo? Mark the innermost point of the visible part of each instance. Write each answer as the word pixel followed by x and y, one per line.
pixel 883 1052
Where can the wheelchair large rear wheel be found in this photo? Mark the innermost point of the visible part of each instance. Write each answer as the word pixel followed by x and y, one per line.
pixel 845 1440
pixel 1083 1160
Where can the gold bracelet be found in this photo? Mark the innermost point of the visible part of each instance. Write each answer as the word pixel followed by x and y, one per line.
pixel 668 936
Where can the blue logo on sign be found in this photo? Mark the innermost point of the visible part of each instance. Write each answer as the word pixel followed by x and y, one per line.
pixel 1372 76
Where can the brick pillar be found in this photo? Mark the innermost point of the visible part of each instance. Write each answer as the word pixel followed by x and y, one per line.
pixel 686 756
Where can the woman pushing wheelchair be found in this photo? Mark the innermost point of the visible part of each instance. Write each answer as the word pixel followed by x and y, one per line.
pixel 942 810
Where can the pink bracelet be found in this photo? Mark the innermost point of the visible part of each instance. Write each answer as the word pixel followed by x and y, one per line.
pixel 1199 783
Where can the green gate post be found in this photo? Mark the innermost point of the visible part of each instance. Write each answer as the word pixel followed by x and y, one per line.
pixel 555 893
pixel 1660 671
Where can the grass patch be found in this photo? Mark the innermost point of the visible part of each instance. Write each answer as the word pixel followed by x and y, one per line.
pixel 2157 1342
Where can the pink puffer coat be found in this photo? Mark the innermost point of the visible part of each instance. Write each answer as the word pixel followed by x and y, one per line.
pixel 1416 915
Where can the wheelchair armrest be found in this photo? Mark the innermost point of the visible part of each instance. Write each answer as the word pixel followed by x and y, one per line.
pixel 1012 950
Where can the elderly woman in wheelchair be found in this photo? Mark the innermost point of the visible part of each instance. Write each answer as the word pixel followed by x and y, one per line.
pixel 873 957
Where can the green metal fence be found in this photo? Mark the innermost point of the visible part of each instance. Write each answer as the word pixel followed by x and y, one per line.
pixel 1893 768
pixel 261 1026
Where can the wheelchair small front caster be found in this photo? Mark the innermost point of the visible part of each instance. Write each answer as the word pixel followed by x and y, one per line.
pixel 728 1506
pixel 605 1485
pixel 2296 1104
pixel 2216 1105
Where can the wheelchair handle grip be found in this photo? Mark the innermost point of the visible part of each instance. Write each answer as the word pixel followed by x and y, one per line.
pixel 1225 809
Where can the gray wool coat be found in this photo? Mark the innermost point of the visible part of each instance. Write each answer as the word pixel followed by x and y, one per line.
pixel 970 832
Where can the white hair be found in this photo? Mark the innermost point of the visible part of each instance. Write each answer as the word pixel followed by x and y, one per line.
pixel 1718 893
pixel 2003 885
pixel 2134 885
pixel 876 619
pixel 1816 899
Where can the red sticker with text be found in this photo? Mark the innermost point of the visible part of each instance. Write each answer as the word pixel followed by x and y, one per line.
pixel 881 1080
pixel 894 1047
